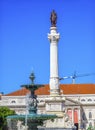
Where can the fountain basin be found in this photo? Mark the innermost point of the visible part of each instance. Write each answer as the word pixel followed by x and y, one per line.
pixel 33 116
pixel 27 122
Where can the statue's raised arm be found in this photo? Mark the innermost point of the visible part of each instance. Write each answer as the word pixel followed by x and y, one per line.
pixel 53 18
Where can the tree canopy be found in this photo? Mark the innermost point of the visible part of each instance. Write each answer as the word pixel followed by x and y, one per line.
pixel 4 112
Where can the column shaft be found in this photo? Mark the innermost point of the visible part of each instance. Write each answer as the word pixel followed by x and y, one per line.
pixel 54 77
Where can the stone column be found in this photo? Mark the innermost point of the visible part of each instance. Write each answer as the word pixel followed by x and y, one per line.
pixel 72 115
pixel 54 78
pixel 79 119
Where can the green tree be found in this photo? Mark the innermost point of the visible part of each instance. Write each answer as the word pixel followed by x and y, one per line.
pixel 4 112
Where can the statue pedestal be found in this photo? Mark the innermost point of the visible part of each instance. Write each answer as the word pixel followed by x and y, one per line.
pixel 56 105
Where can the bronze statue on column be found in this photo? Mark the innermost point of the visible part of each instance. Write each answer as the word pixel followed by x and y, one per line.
pixel 53 18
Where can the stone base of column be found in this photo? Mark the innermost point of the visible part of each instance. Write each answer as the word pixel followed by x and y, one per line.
pixel 55 105
pixel 54 92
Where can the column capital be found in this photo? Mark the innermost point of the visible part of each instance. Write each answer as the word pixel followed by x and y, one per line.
pixel 53 36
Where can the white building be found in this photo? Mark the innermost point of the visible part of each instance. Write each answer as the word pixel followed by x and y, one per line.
pixel 79 103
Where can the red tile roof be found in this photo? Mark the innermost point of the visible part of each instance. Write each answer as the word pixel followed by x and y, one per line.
pixel 20 92
pixel 66 88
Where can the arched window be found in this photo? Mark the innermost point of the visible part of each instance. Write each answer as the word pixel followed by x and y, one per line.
pixel 13 101
pixel 82 100
pixel 89 100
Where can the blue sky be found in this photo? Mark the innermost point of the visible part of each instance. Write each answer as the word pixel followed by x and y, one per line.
pixel 24 25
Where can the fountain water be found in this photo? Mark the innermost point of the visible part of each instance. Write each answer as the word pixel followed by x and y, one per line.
pixel 32 120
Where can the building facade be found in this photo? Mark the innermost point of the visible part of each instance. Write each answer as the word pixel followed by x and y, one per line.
pixel 79 102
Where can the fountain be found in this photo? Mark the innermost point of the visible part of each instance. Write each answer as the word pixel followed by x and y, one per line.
pixel 32 120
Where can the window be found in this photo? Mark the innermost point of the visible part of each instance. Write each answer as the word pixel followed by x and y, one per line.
pixel 13 101
pixel 83 116
pixel 82 100
pixel 41 101
pixel 90 124
pixel 90 115
pixel 89 100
